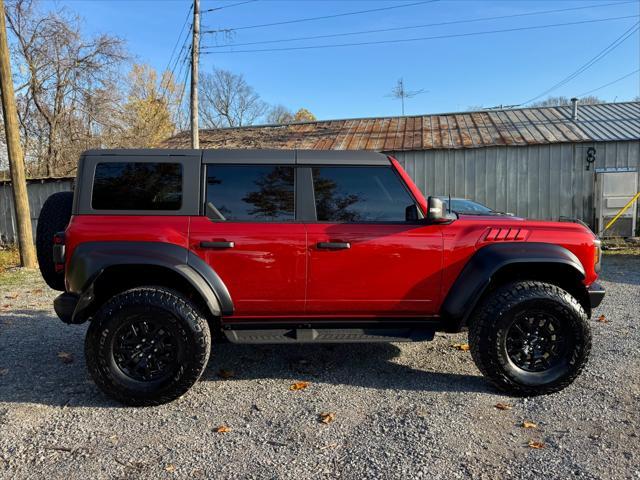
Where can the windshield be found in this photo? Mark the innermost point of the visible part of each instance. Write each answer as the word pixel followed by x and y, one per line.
pixel 460 205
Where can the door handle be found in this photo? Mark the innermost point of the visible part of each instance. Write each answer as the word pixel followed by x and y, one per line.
pixel 219 245
pixel 334 245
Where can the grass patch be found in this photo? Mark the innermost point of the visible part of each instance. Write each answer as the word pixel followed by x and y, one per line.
pixel 619 246
pixel 623 251
pixel 9 258
pixel 11 275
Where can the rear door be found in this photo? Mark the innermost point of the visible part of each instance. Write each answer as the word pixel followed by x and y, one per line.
pixel 249 233
pixel 365 257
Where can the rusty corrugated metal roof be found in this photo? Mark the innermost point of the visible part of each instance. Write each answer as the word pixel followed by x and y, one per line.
pixel 524 126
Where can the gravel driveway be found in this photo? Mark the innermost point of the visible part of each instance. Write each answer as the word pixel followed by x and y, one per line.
pixel 400 410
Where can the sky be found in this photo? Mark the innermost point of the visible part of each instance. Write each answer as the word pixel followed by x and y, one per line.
pixel 455 73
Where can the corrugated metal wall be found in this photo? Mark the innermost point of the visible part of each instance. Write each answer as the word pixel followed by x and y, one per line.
pixel 537 181
pixel 38 193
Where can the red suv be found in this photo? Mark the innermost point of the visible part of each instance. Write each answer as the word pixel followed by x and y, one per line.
pixel 165 250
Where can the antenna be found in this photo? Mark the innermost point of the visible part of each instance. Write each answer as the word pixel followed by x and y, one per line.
pixel 399 92
pixel 449 205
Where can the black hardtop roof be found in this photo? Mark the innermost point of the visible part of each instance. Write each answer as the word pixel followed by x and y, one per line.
pixel 301 157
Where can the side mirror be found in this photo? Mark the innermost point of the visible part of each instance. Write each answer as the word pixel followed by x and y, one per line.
pixel 436 212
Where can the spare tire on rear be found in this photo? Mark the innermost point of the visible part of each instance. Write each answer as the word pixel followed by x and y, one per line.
pixel 54 217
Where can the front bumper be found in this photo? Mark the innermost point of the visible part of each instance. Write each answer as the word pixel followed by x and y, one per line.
pixel 596 294
pixel 64 305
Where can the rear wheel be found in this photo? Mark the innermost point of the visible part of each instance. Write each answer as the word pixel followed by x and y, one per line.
pixel 54 217
pixel 530 338
pixel 147 346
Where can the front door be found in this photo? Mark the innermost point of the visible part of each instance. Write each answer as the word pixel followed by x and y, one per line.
pixel 250 237
pixel 365 257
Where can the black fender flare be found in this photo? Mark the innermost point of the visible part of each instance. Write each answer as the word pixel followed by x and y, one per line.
pixel 476 275
pixel 91 259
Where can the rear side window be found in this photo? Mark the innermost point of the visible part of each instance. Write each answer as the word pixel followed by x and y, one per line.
pixel 137 186
pixel 359 194
pixel 252 192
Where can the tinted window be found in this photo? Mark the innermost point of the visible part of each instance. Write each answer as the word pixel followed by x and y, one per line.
pixel 467 206
pixel 252 192
pixel 137 186
pixel 359 194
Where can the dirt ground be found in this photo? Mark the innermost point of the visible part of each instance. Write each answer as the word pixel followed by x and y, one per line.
pixel 399 410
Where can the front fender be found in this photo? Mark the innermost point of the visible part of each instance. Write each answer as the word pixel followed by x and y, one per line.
pixel 91 259
pixel 476 276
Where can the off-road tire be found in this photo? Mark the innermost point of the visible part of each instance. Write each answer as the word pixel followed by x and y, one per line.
pixel 488 329
pixel 54 217
pixel 191 332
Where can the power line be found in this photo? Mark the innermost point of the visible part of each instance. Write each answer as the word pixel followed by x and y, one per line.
pixel 164 88
pixel 608 49
pixel 610 83
pixel 228 6
pixel 323 17
pixel 415 39
pixel 179 37
pixel 438 24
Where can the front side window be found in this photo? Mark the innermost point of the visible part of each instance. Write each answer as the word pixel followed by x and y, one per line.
pixel 137 186
pixel 359 194
pixel 252 192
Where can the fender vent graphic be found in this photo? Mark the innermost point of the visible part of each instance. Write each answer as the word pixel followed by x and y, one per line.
pixel 505 234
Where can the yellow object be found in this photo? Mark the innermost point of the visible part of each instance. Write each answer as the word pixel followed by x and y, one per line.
pixel 622 210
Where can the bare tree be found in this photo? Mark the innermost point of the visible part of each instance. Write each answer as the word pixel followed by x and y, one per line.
pixel 65 81
pixel 560 101
pixel 279 115
pixel 226 100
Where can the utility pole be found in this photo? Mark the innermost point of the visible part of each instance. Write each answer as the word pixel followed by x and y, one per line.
pixel 14 149
pixel 195 51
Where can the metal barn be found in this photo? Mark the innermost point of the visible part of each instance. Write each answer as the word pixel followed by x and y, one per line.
pixel 536 162
pixel 545 163
pixel 38 191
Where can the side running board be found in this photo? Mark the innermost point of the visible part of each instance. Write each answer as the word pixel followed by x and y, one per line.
pixel 411 333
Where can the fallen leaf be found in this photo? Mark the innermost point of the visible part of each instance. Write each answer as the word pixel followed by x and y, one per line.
pixel 170 468
pixel 36 292
pixel 603 319
pixel 222 429
pixel 503 406
pixel 11 297
pixel 299 386
pixel 6 305
pixel 534 444
pixel 65 357
pixel 226 373
pixel 527 424
pixel 331 445
pixel 327 417
pixel 3 371
pixel 461 346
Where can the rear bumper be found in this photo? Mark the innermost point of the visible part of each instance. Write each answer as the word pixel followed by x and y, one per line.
pixel 64 305
pixel 596 294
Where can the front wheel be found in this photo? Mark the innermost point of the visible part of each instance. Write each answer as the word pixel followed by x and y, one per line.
pixel 147 346
pixel 530 338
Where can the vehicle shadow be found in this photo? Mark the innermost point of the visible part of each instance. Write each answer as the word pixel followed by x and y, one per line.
pixel 369 365
pixel 42 362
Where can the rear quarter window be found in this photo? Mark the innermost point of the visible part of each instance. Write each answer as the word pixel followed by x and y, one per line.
pixel 137 186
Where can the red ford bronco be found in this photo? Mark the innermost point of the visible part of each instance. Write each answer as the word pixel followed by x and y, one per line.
pixel 164 250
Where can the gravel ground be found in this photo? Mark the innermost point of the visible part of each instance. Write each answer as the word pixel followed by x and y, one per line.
pixel 401 410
